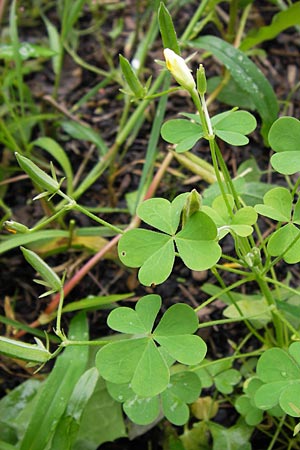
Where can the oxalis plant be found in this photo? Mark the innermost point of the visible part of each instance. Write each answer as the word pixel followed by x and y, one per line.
pixel 156 366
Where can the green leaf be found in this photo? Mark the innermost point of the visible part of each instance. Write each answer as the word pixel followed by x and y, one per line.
pixel 284 138
pixel 233 438
pixel 117 361
pixel 177 320
pixel 57 389
pixel 101 421
pixel 68 426
pixel 142 410
pixel 225 381
pixel 152 373
pixel 256 310
pixel 252 415
pixel 290 400
pixel 161 214
pixel 279 370
pixel 234 126
pixel 158 266
pixel 277 204
pixel 140 320
pixel 285 241
pixel 167 30
pixel 196 242
pixel 182 132
pixel 84 133
pixel 55 45
pixel 55 150
pixel 177 347
pixel 246 75
pixel 231 94
pixel 281 21
pixel 136 246
pixel 26 51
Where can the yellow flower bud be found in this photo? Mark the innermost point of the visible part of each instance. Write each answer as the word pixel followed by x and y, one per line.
pixel 180 71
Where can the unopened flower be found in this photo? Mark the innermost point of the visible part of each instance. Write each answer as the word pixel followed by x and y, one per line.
pixel 180 71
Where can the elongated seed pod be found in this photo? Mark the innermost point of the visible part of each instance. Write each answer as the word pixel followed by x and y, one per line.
pixel 37 175
pixel 48 275
pixel 23 350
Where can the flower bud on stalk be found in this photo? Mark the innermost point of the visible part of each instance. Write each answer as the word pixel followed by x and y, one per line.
pixel 180 71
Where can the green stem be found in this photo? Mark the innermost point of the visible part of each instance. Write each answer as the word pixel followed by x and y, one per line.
pixel 83 210
pixel 194 20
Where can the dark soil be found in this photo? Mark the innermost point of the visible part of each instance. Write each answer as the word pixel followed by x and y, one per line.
pixel 18 295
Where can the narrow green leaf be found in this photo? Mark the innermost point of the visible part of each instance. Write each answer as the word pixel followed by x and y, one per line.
pixel 47 274
pixel 68 426
pixel 57 389
pixel 85 133
pixel 55 150
pixel 281 21
pixel 26 51
pixel 55 44
pixel 131 78
pixel 167 30
pixel 37 175
pixel 247 76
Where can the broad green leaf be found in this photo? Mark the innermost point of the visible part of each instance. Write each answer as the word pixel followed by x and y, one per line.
pixel 268 395
pixel 225 381
pixel 57 389
pixel 232 137
pixel 101 421
pixel 290 400
pixel 252 415
pixel 246 75
pixel 175 410
pixel 233 127
pixel 157 212
pixel 186 349
pixel 158 267
pixel 281 21
pixel 277 204
pixel 142 410
pixel 151 375
pixel 147 309
pixel 138 321
pixel 286 242
pixel 195 243
pixel 276 364
pixel 137 245
pixel 256 310
pixel 233 438
pixel 177 320
pixel 185 385
pixel 117 361
pixel 231 94
pixel 182 132
pixel 284 137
